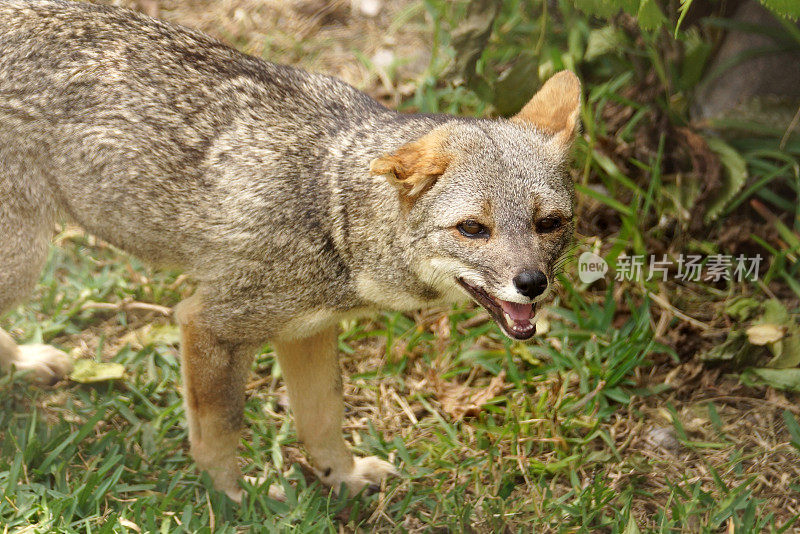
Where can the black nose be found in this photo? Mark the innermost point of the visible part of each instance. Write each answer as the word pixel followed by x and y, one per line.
pixel 530 283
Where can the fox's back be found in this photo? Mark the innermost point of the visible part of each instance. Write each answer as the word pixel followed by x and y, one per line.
pixel 75 60
pixel 120 109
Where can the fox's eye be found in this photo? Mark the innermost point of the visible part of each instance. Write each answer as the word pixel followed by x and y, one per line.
pixel 548 224
pixel 470 228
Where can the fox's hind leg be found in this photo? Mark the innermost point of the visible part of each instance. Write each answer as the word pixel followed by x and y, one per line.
pixel 214 376
pixel 26 225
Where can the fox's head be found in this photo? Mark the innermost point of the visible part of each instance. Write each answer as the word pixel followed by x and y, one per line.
pixel 488 204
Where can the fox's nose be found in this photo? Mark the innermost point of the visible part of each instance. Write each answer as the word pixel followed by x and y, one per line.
pixel 530 283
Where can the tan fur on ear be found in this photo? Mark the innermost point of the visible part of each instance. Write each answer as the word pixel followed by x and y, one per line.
pixel 414 167
pixel 555 108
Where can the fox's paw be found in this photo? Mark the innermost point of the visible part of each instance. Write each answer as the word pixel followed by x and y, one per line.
pixel 236 493
pixel 46 364
pixel 367 473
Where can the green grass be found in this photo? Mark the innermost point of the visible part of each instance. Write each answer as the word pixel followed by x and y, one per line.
pixel 544 452
pixel 608 422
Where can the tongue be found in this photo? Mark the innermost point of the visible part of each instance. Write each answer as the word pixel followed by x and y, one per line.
pixel 518 312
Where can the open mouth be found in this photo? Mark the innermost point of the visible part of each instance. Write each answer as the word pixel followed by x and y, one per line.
pixel 514 318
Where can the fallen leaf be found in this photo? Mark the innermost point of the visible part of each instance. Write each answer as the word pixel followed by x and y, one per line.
pixel 786 350
pixel 460 400
pixel 762 334
pixel 151 334
pixel 90 371
pixel 773 332
pixel 129 524
pixel 785 379
pixel 735 349
pixel 774 312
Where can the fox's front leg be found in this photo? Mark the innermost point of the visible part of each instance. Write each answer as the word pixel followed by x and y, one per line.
pixel 214 378
pixel 311 370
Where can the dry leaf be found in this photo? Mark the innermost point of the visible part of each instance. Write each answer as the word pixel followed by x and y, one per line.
pixel 460 400
pixel 129 524
pixel 761 334
pixel 90 371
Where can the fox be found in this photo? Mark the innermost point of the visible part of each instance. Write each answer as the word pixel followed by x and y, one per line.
pixel 292 199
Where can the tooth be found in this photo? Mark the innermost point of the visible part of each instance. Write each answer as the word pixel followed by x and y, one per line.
pixel 508 319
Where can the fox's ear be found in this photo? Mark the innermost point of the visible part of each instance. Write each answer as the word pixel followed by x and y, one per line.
pixel 555 108
pixel 414 167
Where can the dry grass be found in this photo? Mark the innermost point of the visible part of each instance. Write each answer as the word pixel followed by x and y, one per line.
pixel 381 54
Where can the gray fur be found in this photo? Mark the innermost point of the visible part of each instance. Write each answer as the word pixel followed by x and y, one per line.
pixel 253 177
pixel 185 152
